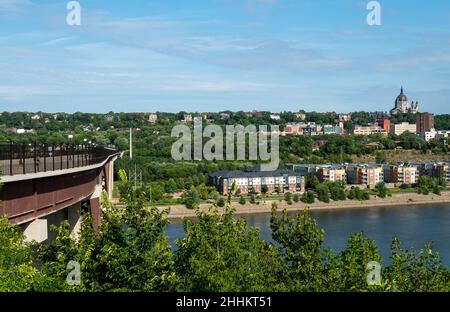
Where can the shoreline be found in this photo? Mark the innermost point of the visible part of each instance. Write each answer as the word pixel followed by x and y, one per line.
pixel 178 212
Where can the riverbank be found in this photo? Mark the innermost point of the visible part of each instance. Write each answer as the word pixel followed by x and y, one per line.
pixel 180 211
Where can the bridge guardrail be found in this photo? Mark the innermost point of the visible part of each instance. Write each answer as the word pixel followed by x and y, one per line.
pixel 25 158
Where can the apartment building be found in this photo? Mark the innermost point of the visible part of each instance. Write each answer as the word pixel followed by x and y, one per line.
pixel 325 173
pixel 365 174
pixel 332 173
pixel 438 170
pixel 252 181
pixel 401 174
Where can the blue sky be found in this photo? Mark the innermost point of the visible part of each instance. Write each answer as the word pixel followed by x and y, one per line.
pixel 212 55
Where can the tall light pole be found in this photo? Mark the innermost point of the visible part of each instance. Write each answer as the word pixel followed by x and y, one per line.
pixel 131 143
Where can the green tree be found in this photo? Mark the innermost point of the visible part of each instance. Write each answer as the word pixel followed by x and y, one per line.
pixel 323 194
pixel 300 241
pixel 264 189
pixel 288 198
pixel 192 198
pixel 221 202
pixel 308 197
pixel 17 270
pixel 221 253
pixel 130 252
pixel 381 189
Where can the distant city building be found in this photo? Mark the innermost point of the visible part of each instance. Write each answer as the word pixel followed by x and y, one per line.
pixel 369 130
pixel 23 131
pixel 108 118
pixel 224 116
pixel 187 118
pixel 402 106
pixel 35 117
pixel 442 134
pixel 429 135
pixel 329 129
pixel 399 129
pixel 300 116
pixel 384 123
pixel 209 118
pixel 345 117
pixel 152 118
pixel 275 117
pixel 424 122
pixel 318 144
pixel 292 129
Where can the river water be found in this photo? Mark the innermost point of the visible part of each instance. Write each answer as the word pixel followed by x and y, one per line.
pixel 413 225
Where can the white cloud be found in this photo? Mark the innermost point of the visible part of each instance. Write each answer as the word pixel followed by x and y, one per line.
pixel 13 5
pixel 21 92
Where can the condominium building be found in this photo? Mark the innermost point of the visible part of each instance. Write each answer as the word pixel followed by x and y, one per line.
pixel 332 173
pixel 365 174
pixel 401 174
pixel 325 173
pixel 438 170
pixel 252 181
pixel 441 170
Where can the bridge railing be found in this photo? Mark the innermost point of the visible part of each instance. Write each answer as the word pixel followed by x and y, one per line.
pixel 24 158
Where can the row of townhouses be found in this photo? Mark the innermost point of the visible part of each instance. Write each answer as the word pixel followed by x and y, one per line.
pixel 292 179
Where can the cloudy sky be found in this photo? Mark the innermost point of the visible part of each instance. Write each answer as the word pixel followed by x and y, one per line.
pixel 212 55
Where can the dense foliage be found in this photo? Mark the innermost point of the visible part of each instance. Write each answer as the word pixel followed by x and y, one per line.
pixel 219 252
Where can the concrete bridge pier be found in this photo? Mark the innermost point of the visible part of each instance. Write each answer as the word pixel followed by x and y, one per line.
pixel 37 230
pixel 74 218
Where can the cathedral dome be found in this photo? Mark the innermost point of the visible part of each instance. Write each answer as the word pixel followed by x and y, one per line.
pixel 402 97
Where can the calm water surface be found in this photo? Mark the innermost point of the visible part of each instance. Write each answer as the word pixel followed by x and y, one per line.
pixel 413 225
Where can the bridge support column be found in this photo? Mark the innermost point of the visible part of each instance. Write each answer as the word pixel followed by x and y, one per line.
pixel 36 231
pixel 96 209
pixel 74 217
pixel 96 213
